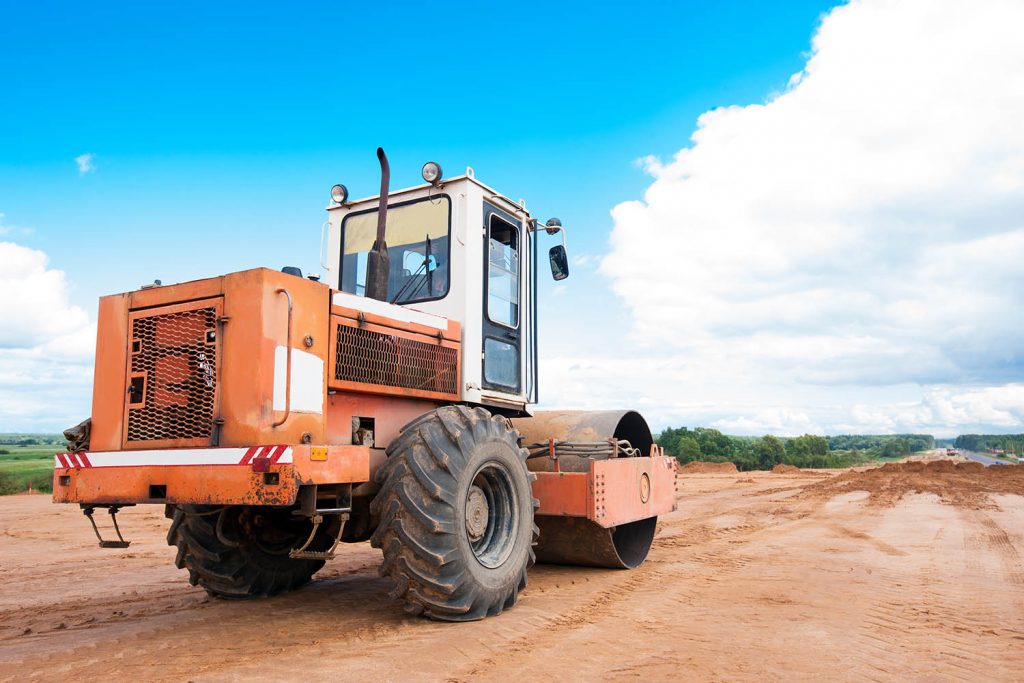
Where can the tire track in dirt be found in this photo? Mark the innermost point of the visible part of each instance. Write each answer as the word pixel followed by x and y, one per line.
pixel 919 624
pixel 656 580
pixel 754 578
pixel 998 540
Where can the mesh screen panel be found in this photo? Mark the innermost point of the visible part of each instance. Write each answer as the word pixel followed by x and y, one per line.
pixel 173 376
pixel 370 357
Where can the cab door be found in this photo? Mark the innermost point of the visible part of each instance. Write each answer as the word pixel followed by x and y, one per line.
pixel 502 315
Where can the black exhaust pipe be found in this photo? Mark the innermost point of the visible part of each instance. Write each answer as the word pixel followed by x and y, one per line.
pixel 378 263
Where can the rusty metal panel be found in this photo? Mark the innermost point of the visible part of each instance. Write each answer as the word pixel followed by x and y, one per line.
pixel 165 295
pixel 629 489
pixel 615 491
pixel 332 464
pixel 193 485
pixel 387 360
pixel 562 494
pixel 250 482
pixel 172 387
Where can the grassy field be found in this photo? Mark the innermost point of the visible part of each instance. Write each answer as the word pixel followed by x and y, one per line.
pixel 22 465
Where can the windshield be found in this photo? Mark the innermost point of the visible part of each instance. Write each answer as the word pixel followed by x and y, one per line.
pixel 417 236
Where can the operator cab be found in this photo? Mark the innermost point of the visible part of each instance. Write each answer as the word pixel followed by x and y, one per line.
pixel 456 249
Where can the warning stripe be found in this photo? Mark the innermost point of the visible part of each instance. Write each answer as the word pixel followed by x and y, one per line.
pixel 248 456
pixel 268 455
pixel 175 457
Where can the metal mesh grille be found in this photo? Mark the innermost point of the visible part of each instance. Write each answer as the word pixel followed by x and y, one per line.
pixel 173 377
pixel 371 357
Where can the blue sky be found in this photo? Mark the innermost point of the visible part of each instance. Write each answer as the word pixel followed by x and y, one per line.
pixel 216 129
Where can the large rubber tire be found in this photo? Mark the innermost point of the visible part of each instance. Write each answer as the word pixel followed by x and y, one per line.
pixel 242 551
pixel 443 565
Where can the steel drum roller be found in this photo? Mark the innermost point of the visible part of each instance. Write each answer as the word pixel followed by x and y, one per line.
pixel 575 540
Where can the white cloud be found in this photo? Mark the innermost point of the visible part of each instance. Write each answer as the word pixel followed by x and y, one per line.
pixel 7 228
pixel 86 163
pixel 863 229
pixel 585 260
pixel 35 308
pixel 46 345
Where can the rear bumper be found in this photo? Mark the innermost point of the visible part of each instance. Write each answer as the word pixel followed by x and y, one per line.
pixel 258 475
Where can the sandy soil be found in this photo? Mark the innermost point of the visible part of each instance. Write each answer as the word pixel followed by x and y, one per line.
pixel 758 576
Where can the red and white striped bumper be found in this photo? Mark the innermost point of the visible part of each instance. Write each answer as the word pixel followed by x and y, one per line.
pixel 256 475
pixel 257 456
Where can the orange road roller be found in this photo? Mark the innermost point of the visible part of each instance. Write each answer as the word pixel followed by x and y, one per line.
pixel 277 416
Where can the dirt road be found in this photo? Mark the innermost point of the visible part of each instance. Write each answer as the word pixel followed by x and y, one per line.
pixel 766 576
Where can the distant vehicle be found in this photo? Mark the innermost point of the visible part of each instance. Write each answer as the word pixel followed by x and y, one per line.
pixel 951 451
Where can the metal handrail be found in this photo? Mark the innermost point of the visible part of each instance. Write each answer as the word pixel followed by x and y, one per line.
pixel 288 364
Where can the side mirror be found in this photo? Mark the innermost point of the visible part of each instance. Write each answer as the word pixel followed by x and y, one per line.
pixel 559 262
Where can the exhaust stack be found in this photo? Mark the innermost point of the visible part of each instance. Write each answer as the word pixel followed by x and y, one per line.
pixel 378 263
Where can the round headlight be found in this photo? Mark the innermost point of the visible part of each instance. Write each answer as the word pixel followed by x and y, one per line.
pixel 432 172
pixel 339 194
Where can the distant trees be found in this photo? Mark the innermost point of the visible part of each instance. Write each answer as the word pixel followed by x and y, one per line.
pixel 687 449
pixel 769 451
pixel 1013 443
pixel 857 442
pixel 30 439
pixel 807 445
pixel 809 450
pixel 698 444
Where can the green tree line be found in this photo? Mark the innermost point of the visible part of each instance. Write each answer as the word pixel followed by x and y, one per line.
pixel 1013 443
pixel 809 450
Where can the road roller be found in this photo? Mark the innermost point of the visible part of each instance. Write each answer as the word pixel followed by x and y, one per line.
pixel 389 398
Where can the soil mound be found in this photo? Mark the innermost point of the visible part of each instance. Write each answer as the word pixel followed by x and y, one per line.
pixel 783 468
pixel 966 484
pixel 700 467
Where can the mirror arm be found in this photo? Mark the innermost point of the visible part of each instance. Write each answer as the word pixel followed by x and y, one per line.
pixel 534 227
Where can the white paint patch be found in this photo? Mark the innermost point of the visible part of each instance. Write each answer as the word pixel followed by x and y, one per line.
pixel 307 391
pixel 382 308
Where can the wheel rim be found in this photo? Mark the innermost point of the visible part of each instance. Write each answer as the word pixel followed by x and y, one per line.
pixel 492 514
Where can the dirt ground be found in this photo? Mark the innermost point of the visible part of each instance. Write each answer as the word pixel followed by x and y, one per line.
pixel 759 576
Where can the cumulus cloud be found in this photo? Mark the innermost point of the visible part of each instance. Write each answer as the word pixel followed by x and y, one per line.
pixel 46 345
pixel 35 307
pixel 863 228
pixel 86 163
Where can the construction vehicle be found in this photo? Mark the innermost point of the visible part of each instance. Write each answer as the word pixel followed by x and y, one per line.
pixel 277 416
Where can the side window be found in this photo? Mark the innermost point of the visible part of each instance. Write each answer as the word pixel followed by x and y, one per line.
pixel 502 272
pixel 502 366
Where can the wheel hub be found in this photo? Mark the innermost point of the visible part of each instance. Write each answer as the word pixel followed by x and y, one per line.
pixel 477 512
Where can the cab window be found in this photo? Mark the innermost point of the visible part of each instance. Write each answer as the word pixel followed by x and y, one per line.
pixel 417 234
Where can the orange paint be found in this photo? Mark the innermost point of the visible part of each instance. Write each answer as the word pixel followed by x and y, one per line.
pixel 613 491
